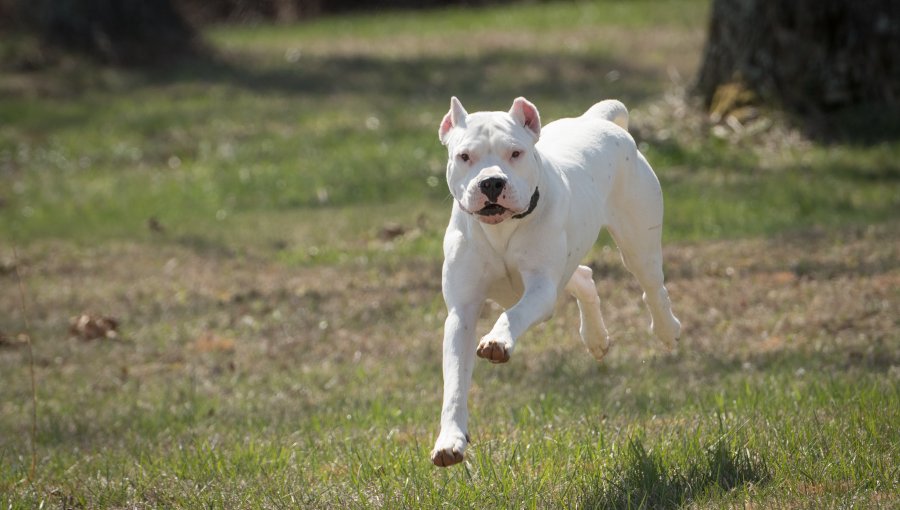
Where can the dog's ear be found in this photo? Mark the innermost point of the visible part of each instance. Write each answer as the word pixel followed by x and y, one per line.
pixel 455 117
pixel 526 114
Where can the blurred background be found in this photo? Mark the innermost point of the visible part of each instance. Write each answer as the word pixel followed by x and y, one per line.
pixel 226 219
pixel 181 111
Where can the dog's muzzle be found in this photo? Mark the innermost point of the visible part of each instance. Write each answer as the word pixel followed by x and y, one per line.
pixel 494 209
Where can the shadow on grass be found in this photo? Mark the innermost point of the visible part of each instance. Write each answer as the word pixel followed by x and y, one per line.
pixel 497 75
pixel 862 125
pixel 644 478
pixel 583 382
pixel 492 76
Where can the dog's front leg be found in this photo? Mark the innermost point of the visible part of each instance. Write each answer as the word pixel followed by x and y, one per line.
pixel 458 361
pixel 536 305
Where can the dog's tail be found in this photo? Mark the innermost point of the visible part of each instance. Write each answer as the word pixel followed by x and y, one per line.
pixel 611 110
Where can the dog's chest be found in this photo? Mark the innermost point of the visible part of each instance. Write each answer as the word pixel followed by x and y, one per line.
pixel 498 237
pixel 501 262
pixel 507 289
pixel 500 242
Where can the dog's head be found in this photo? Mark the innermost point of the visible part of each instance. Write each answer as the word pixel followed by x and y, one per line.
pixel 493 167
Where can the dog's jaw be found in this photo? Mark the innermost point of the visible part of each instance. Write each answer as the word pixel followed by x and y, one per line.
pixel 493 213
pixel 488 215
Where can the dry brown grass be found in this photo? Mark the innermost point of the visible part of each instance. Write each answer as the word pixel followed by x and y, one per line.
pixel 743 302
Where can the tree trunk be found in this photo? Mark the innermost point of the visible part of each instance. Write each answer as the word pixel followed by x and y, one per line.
pixel 807 56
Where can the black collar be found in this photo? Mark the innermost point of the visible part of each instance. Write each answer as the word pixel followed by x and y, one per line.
pixel 534 200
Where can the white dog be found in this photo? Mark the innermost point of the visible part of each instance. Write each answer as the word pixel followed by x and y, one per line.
pixel 525 213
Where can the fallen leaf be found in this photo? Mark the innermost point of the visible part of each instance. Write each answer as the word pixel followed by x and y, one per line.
pixel 210 342
pixel 391 231
pixel 89 327
pixel 784 277
pixel 772 344
pixel 7 266
pixel 11 341
pixel 154 225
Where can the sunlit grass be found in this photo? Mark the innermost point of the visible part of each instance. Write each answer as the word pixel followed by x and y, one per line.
pixel 198 145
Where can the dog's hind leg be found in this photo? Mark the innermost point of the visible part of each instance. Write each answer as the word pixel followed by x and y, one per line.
pixel 593 330
pixel 637 231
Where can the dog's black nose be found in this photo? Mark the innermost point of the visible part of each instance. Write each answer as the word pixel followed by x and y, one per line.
pixel 492 187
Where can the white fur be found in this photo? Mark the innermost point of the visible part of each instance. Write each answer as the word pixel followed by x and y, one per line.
pixel 589 175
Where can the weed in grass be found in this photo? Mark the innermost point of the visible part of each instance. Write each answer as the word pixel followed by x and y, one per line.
pixel 642 478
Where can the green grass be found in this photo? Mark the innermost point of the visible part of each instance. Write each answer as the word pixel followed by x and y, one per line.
pixel 459 22
pixel 266 226
pixel 566 433
pixel 352 122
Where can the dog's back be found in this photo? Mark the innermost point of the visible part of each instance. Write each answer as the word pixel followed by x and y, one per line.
pixel 577 142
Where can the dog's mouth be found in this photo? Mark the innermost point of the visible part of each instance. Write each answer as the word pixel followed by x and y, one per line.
pixel 491 210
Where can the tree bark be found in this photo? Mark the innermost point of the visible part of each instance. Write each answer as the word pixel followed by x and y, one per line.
pixel 806 56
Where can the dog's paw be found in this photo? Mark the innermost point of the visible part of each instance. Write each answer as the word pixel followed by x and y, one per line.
pixel 449 449
pixel 668 331
pixel 599 350
pixel 493 350
pixel 595 338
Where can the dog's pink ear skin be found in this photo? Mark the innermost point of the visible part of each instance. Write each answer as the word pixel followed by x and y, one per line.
pixel 456 117
pixel 526 114
pixel 446 125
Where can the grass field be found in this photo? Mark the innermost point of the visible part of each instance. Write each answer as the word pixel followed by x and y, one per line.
pixel 265 226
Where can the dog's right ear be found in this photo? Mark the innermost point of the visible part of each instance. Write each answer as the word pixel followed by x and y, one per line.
pixel 456 117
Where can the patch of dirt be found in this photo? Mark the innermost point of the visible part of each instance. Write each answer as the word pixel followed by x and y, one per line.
pixel 748 303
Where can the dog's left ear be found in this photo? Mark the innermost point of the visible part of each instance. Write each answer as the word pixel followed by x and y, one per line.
pixel 526 114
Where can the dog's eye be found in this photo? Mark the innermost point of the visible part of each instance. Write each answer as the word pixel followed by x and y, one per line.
pixel 516 154
pixel 464 156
